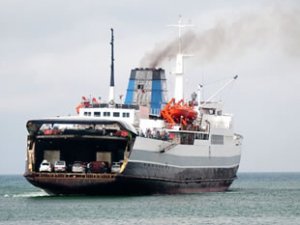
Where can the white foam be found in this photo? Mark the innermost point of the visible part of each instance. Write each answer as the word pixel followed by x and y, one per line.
pixel 30 194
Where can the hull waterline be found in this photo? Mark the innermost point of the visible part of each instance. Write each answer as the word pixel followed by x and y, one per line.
pixel 117 184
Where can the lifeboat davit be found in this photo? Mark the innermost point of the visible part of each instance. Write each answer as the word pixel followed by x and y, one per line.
pixel 178 113
pixel 85 103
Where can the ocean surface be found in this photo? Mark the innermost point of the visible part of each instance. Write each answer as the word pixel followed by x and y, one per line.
pixel 254 198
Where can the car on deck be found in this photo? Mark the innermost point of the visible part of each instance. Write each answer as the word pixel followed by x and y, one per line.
pixel 60 166
pixel 116 167
pixel 78 167
pixel 45 166
pixel 98 167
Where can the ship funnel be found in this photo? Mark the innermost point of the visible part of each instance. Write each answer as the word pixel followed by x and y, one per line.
pixel 111 96
pixel 147 87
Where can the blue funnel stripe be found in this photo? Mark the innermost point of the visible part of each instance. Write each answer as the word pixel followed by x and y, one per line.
pixel 130 92
pixel 156 97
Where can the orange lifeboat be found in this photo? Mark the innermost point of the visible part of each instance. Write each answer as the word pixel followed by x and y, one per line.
pixel 85 103
pixel 78 107
pixel 178 113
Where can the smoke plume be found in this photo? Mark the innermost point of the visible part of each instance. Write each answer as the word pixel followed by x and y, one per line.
pixel 279 27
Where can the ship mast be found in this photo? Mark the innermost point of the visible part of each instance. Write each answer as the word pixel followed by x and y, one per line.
pixel 111 97
pixel 178 91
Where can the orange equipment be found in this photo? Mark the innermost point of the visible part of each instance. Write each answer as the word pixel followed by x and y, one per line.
pixel 85 103
pixel 180 113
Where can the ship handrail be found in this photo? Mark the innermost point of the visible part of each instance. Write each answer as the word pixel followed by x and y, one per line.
pixel 33 126
pixel 73 175
pixel 81 136
pixel 187 131
pixel 117 106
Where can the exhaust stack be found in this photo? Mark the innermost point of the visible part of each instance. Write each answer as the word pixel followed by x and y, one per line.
pixel 147 87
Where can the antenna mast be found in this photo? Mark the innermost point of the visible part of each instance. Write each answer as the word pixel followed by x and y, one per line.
pixel 111 98
pixel 178 91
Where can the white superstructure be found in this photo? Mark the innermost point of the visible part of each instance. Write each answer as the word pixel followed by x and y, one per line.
pixel 128 115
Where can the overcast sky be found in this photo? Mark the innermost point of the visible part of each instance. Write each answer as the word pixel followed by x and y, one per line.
pixel 52 52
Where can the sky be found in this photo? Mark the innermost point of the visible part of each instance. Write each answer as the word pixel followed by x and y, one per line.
pixel 52 52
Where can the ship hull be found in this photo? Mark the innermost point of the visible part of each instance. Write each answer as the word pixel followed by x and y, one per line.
pixel 149 166
pixel 125 184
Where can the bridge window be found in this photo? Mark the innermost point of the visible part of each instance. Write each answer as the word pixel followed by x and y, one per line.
pixel 106 114
pixel 187 139
pixel 87 113
pixel 116 114
pixel 97 114
pixel 202 136
pixel 125 114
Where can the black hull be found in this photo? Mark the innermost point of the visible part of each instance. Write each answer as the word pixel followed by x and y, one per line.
pixel 122 184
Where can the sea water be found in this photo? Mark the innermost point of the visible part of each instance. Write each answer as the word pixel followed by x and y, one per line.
pixel 254 198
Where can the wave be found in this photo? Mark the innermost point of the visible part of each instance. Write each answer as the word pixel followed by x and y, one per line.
pixel 26 195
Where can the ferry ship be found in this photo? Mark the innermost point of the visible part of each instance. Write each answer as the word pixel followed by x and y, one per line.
pixel 144 145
